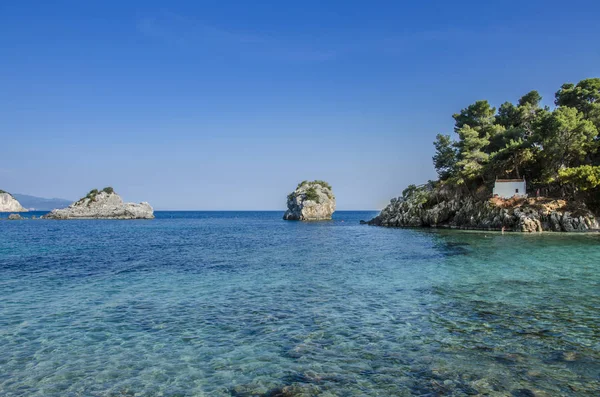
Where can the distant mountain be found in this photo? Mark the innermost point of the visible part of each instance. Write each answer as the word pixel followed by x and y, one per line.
pixel 40 203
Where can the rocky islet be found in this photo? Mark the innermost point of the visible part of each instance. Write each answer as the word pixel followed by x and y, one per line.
pixel 103 204
pixel 311 201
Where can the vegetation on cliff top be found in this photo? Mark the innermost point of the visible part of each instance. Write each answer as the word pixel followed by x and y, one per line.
pixel 311 192
pixel 557 151
pixel 4 191
pixel 91 196
pixel 315 182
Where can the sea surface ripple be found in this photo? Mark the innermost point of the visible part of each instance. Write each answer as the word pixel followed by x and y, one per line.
pixel 246 304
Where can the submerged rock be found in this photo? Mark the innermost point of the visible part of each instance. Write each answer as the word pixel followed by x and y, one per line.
pixel 293 390
pixel 523 393
pixel 104 204
pixel 311 201
pixel 9 204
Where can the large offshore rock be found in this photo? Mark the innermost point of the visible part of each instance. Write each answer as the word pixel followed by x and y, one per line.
pixel 104 204
pixel 311 201
pixel 9 204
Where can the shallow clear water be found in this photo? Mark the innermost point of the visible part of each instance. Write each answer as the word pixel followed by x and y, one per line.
pixel 245 304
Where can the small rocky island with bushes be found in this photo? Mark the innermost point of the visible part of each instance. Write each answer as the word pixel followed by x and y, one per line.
pixel 9 204
pixel 554 154
pixel 103 204
pixel 311 201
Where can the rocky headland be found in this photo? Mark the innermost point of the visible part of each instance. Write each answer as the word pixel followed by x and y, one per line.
pixel 420 208
pixel 103 204
pixel 311 201
pixel 9 204
pixel 520 166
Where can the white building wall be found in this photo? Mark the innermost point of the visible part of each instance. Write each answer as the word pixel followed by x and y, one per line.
pixel 510 189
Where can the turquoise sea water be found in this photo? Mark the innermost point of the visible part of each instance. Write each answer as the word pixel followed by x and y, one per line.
pixel 246 304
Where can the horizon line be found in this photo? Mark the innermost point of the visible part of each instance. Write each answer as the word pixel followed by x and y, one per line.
pixel 263 210
pixel 229 210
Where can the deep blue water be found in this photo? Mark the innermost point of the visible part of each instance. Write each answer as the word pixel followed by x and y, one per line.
pixel 246 304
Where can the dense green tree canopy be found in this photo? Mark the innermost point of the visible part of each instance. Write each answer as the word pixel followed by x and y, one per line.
pixel 471 154
pixel 478 116
pixel 547 147
pixel 532 98
pixel 585 177
pixel 584 96
pixel 445 156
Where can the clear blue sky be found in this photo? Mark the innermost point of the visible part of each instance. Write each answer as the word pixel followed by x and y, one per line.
pixel 227 105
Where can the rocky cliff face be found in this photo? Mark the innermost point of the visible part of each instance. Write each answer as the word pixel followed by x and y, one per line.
pixel 9 204
pixel 311 201
pixel 524 215
pixel 105 204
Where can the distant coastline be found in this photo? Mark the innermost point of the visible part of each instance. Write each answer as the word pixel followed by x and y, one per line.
pixel 34 203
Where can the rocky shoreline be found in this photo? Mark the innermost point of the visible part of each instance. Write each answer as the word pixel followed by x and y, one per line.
pixel 519 215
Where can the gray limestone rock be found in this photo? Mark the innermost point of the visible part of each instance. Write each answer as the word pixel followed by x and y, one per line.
pixel 311 201
pixel 105 204
pixel 9 204
pixel 466 213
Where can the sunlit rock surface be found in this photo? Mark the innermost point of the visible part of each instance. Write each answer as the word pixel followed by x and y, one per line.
pixel 105 204
pixel 311 201
pixel 9 204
